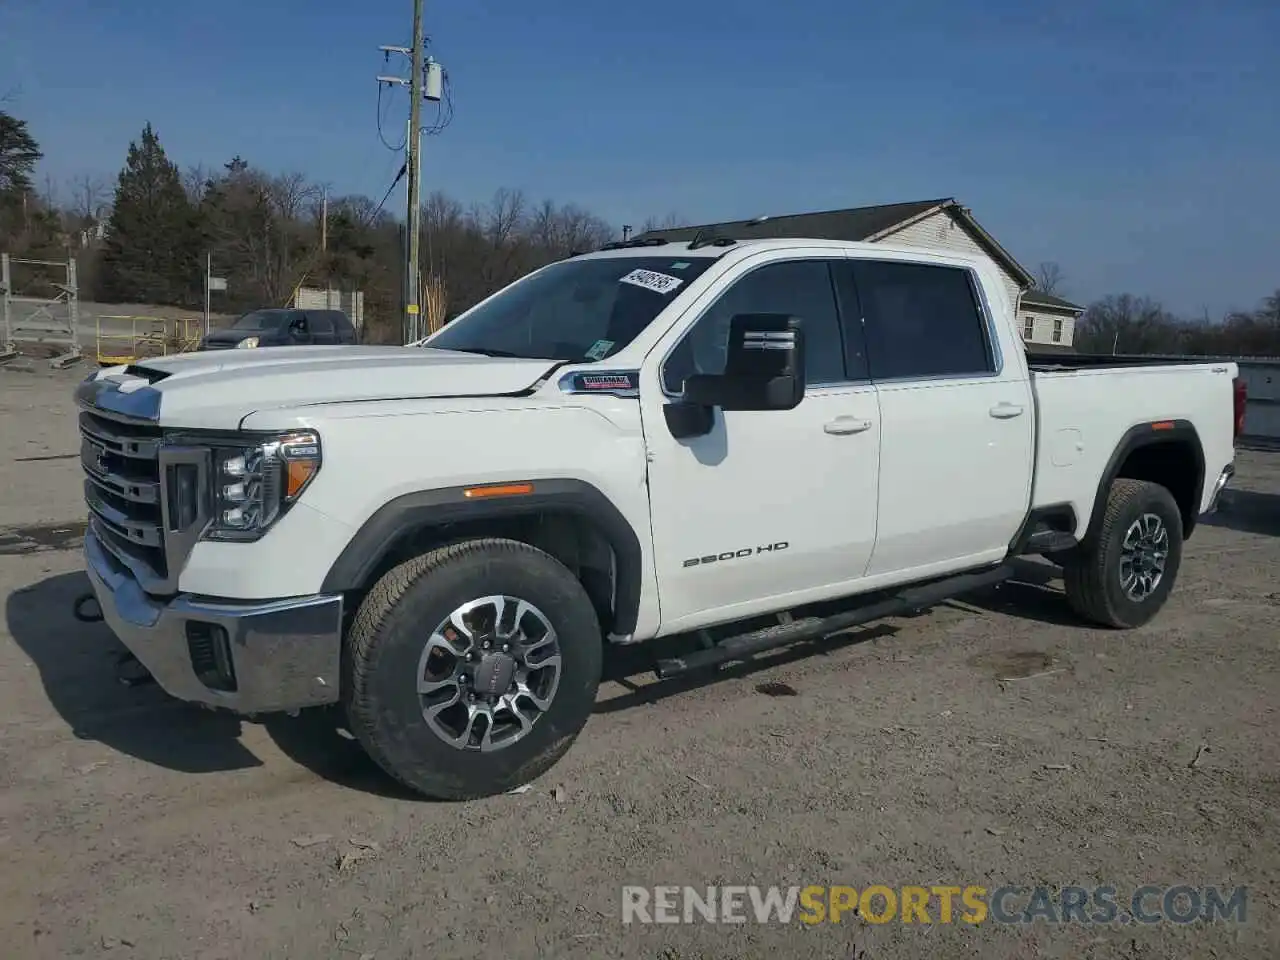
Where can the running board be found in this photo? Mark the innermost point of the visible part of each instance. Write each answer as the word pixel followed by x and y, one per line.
pixel 908 601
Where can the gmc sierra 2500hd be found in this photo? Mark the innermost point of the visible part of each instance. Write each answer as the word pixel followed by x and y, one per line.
pixel 754 442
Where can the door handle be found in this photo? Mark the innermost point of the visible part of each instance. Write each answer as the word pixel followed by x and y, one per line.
pixel 1006 411
pixel 844 425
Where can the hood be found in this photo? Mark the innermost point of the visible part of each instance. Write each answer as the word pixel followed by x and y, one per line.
pixel 203 389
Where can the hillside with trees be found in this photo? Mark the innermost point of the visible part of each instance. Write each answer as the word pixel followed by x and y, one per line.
pixel 144 240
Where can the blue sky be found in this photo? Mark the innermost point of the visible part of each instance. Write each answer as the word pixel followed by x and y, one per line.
pixel 1136 143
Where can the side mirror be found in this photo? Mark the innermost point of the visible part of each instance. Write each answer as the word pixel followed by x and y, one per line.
pixel 764 370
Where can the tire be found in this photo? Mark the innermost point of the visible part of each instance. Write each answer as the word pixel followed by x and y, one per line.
pixel 1094 572
pixel 387 652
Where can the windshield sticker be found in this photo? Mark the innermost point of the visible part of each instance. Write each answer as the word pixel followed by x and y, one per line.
pixel 682 265
pixel 652 280
pixel 599 349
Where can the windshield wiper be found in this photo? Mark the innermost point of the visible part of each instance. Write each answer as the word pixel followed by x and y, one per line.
pixel 638 242
pixel 704 238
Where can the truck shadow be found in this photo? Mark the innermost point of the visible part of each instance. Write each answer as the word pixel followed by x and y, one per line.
pixel 77 666
pixel 1246 511
pixel 624 665
pixel 1032 594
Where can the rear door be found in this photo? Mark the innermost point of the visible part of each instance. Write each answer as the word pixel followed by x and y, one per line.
pixel 344 331
pixel 957 418
pixel 320 325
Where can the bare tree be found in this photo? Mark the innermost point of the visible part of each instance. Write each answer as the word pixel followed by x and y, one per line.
pixel 195 181
pixel 561 231
pixel 671 221
pixel 291 193
pixel 88 196
pixel 1127 324
pixel 1270 312
pixel 1049 278
pixel 49 193
pixel 504 217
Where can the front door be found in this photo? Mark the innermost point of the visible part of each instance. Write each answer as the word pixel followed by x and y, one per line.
pixel 771 508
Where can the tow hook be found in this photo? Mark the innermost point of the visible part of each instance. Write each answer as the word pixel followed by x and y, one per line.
pixel 131 672
pixel 78 611
pixel 129 669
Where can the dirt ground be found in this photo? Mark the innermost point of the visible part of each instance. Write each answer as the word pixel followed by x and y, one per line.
pixel 134 826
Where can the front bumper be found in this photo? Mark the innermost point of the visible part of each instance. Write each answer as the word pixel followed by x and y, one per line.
pixel 1224 478
pixel 253 657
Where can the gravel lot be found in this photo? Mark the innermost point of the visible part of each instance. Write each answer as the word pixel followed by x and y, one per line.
pixel 134 826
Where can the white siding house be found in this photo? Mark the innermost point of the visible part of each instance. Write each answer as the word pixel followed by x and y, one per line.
pixel 943 230
pixel 1046 322
pixel 1046 319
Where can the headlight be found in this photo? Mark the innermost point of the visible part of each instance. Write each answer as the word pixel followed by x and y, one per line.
pixel 254 485
pixel 247 343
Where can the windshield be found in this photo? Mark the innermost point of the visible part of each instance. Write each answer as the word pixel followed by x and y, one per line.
pixel 581 309
pixel 262 320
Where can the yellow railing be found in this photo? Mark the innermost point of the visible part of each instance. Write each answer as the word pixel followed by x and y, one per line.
pixel 125 339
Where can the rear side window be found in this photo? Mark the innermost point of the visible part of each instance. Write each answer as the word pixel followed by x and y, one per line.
pixel 921 321
pixel 320 323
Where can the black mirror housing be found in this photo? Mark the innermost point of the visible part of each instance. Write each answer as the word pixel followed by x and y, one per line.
pixel 764 370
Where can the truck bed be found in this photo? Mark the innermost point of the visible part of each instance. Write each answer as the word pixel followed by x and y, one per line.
pixel 1047 362
pixel 1087 404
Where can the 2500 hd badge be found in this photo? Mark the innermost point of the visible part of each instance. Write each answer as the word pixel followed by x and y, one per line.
pixel 736 554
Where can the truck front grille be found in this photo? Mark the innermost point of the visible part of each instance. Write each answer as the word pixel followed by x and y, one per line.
pixel 145 500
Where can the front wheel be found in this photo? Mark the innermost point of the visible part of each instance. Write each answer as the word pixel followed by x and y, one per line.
pixel 1125 575
pixel 473 668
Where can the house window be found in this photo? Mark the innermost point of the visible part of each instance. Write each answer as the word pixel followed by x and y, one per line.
pixel 1057 331
pixel 1028 328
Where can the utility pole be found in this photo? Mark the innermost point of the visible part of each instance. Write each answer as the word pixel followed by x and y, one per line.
pixel 208 270
pixel 425 82
pixel 414 161
pixel 324 221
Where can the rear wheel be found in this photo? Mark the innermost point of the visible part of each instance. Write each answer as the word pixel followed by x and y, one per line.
pixel 473 668
pixel 1125 575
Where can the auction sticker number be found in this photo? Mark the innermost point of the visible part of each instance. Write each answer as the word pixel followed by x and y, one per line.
pixel 652 280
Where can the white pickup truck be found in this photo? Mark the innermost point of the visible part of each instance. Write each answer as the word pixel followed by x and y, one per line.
pixel 753 443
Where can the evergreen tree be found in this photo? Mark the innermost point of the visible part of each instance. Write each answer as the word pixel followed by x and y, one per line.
pixel 151 252
pixel 29 226
pixel 19 153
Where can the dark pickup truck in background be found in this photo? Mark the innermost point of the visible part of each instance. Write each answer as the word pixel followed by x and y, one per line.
pixel 283 327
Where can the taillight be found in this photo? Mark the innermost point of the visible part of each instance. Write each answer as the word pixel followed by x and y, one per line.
pixel 1241 395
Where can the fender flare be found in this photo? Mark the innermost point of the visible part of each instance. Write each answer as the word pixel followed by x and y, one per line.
pixel 1137 437
pixel 427 508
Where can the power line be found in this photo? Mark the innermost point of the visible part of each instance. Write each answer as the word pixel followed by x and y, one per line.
pixel 404 167
pixel 381 120
pixel 444 109
pixel 318 253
